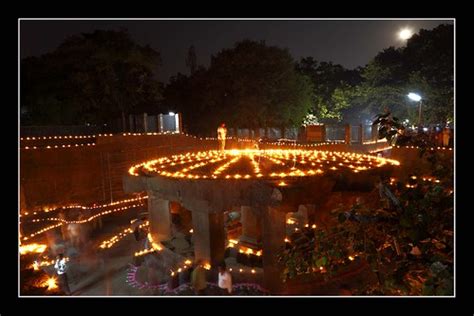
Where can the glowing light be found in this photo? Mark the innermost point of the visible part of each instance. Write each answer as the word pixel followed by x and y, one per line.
pixel 144 252
pixel 351 258
pixel 414 96
pixel 405 34
pixel 35 248
pixel 51 283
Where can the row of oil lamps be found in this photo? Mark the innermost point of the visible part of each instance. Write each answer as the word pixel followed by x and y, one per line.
pixel 276 156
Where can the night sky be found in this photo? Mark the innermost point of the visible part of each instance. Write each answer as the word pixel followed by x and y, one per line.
pixel 349 43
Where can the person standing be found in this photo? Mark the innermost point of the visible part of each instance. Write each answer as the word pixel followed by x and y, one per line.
pixel 198 279
pixel 446 136
pixel 60 266
pixel 225 280
pixel 221 136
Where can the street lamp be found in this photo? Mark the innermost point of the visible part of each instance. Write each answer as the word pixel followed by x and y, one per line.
pixel 416 97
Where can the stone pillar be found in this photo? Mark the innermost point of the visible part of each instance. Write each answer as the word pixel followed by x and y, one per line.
pixel 179 123
pixel 374 132
pixel 209 236
pixel 145 123
pixel 251 227
pixel 274 233
pixel 160 123
pixel 159 217
pixel 323 133
pixel 361 133
pixel 348 134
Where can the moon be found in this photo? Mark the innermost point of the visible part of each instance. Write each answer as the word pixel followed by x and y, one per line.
pixel 405 34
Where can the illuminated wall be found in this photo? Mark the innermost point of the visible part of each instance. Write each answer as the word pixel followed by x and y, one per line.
pixel 92 173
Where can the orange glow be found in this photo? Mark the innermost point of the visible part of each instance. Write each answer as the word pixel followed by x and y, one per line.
pixel 35 248
pixel 303 158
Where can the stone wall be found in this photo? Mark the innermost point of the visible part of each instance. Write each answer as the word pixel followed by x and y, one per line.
pixel 93 174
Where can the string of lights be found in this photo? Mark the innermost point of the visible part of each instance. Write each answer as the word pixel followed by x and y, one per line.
pixel 57 219
pixel 59 146
pixel 32 140
pixel 431 148
pixel 77 206
pixel 108 243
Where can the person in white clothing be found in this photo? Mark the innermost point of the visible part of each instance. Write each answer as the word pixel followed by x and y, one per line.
pixel 225 280
pixel 221 136
pixel 60 266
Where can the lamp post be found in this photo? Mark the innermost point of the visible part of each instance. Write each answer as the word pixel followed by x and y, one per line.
pixel 416 97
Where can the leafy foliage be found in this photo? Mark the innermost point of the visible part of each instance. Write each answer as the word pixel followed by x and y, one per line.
pixel 407 241
pixel 424 65
pixel 250 85
pixel 331 83
pixel 89 78
pixel 389 127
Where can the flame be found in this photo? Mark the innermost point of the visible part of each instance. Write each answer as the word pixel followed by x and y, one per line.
pixel 36 248
pixel 49 282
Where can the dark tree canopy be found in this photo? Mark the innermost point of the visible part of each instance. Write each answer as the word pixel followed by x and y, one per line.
pixel 250 85
pixel 105 75
pixel 424 66
pixel 329 80
pixel 91 77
